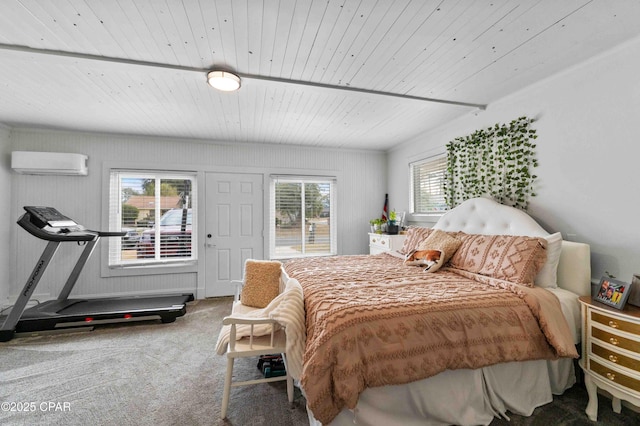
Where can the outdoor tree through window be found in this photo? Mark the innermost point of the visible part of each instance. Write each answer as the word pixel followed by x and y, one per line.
pixel 302 223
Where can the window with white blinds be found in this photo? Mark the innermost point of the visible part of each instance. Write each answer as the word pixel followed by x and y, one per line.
pixel 427 179
pixel 302 216
pixel 158 213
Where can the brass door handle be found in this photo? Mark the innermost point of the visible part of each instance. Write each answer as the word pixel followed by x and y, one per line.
pixel 611 376
pixel 613 358
pixel 613 341
pixel 613 324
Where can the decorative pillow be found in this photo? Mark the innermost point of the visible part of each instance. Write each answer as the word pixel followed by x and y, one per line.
pixel 548 276
pixel 513 258
pixel 261 282
pixel 432 260
pixel 442 241
pixel 415 235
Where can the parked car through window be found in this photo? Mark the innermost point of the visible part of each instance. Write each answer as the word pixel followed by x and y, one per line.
pixel 175 235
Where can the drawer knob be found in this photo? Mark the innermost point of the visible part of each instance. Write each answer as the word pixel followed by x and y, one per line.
pixel 611 376
pixel 383 242
pixel 613 324
pixel 374 240
pixel 613 341
pixel 613 358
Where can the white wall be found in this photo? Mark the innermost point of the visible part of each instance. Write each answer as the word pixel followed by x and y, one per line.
pixel 6 222
pixel 588 124
pixel 81 198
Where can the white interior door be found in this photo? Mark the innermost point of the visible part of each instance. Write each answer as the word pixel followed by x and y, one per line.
pixel 233 228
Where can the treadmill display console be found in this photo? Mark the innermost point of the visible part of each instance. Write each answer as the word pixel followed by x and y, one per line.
pixel 48 216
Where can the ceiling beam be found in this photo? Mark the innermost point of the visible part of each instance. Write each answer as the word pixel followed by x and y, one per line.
pixel 86 56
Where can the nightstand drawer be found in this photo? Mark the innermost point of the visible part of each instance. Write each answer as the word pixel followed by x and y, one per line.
pixel 379 240
pixel 616 358
pixel 379 243
pixel 615 376
pixel 616 340
pixel 616 323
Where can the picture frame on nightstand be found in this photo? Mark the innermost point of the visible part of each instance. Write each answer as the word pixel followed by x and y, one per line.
pixel 612 292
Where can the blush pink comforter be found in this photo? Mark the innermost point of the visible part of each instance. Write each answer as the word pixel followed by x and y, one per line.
pixel 372 321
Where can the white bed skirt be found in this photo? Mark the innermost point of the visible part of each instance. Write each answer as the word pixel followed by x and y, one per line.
pixel 462 397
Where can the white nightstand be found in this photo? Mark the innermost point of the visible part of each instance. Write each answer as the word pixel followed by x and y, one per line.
pixel 610 353
pixel 379 243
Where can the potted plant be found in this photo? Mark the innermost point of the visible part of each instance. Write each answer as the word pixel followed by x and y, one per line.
pixel 392 225
pixel 376 225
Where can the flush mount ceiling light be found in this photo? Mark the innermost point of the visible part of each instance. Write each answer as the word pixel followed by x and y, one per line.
pixel 222 80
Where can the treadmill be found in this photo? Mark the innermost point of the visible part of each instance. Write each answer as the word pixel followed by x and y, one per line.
pixel 50 225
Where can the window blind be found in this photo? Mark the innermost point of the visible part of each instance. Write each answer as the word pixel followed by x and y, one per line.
pixel 427 179
pixel 302 216
pixel 158 213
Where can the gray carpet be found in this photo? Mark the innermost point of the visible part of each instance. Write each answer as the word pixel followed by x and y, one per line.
pixel 146 374
pixel 169 374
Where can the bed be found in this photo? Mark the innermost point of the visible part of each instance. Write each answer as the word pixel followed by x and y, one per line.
pixel 505 372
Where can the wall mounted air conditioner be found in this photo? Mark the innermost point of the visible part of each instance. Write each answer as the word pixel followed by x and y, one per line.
pixel 49 163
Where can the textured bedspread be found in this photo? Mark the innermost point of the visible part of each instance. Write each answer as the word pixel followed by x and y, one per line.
pixel 372 321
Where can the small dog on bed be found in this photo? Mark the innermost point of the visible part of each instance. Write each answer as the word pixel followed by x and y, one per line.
pixel 428 258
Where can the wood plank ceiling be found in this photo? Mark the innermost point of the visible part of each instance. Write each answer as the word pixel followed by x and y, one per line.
pixel 139 67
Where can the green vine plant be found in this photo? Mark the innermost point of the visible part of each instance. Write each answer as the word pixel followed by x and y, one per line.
pixel 497 161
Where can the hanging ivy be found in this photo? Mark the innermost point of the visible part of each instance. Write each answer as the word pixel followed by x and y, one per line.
pixel 496 161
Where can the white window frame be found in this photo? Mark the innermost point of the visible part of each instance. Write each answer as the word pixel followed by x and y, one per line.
pixel 433 168
pixel 114 264
pixel 301 179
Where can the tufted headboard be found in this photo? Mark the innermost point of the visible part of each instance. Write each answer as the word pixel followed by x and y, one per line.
pixel 488 217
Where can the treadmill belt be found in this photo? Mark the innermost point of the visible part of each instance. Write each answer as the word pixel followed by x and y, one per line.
pixel 126 305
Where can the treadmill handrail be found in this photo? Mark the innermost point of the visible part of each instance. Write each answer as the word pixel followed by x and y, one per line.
pixel 109 233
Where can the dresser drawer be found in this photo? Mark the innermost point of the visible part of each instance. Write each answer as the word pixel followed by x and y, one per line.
pixel 615 323
pixel 616 358
pixel 616 340
pixel 614 376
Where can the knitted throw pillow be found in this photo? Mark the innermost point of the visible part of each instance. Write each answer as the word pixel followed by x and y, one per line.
pixel 414 236
pixel 443 241
pixel 261 282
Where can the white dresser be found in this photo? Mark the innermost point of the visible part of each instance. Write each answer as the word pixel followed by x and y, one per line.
pixel 610 353
pixel 379 243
